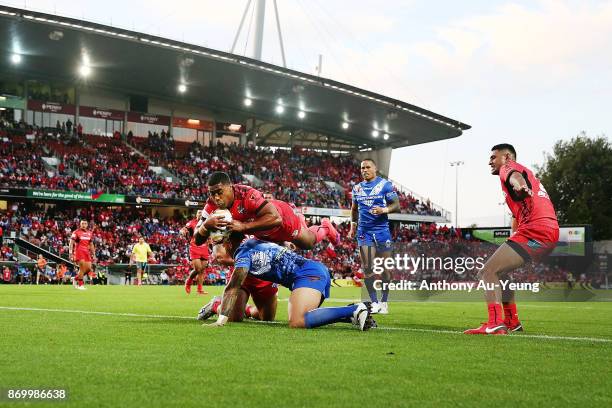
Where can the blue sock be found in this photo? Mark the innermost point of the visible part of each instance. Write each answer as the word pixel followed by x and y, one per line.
pixel 369 284
pixel 326 315
pixel 385 295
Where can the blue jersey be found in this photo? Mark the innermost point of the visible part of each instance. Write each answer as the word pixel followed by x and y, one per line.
pixel 375 193
pixel 269 261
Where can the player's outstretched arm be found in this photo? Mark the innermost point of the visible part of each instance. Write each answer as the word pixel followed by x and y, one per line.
pixel 519 184
pixel 230 295
pixel 267 218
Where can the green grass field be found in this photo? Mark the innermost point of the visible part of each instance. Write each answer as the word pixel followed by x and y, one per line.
pixel 148 350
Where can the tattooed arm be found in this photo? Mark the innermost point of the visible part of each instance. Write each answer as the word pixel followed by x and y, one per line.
pixel 230 295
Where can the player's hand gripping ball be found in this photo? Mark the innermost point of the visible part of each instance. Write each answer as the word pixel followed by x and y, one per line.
pixel 221 233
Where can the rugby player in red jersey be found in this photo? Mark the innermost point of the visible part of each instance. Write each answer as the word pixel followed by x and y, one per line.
pixel 535 233
pixel 263 293
pixel 199 255
pixel 82 252
pixel 268 220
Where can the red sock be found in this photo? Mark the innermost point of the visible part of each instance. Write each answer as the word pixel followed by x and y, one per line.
pixel 510 312
pixel 80 281
pixel 199 287
pixel 250 311
pixel 319 231
pixel 188 282
pixel 495 313
pixel 215 306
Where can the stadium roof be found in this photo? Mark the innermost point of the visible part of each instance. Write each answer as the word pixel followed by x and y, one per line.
pixel 53 47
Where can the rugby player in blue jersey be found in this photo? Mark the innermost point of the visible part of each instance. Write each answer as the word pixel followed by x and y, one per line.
pixel 308 280
pixel 373 199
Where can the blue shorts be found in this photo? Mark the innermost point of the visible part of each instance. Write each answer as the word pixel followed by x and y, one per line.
pixel 381 239
pixel 141 265
pixel 313 275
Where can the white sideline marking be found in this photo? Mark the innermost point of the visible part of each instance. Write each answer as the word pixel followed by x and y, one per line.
pixel 35 309
pixel 408 329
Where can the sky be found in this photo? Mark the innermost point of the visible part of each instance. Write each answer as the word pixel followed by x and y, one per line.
pixel 528 73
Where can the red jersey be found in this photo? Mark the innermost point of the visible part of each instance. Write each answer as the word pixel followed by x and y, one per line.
pixel 195 251
pixel 534 210
pixel 82 239
pixel 191 226
pixel 247 203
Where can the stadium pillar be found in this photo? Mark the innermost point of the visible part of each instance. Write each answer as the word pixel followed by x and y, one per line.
pixel 254 131
pixel 77 102
pixel 26 96
pixel 125 116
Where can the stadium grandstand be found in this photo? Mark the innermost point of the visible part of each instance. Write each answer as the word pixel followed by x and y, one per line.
pixel 93 125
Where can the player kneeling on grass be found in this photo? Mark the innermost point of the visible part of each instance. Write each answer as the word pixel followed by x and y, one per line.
pixel 308 281
pixel 263 293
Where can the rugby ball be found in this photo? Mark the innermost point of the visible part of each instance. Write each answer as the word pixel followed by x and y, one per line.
pixel 220 234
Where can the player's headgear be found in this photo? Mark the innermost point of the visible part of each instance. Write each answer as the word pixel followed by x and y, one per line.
pixel 219 177
pixel 505 146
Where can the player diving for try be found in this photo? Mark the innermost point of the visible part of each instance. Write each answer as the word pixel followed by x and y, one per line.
pixel 373 199
pixel 270 220
pixel 535 233
pixel 308 280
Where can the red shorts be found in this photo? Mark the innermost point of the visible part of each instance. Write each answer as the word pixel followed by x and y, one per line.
pixel 288 230
pixel 534 242
pixel 260 290
pixel 199 252
pixel 81 255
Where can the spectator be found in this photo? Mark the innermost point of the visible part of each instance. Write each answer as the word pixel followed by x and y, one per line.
pixel 41 264
pixel 163 276
pixel 6 274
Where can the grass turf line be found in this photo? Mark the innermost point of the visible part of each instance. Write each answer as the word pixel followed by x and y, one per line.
pixel 109 360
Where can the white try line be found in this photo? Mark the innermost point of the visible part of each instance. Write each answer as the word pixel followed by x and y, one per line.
pixel 407 329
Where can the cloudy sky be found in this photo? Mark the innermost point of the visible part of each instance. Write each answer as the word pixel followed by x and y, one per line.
pixel 524 72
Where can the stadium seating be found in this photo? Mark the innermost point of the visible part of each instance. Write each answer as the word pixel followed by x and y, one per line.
pixel 108 164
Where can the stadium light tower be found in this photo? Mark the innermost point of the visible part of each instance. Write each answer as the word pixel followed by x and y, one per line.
pixel 259 11
pixel 456 165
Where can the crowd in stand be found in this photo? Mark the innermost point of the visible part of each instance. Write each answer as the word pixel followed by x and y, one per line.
pixel 107 164
pixel 117 229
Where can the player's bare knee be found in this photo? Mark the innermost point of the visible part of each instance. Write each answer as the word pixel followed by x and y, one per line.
pixel 297 323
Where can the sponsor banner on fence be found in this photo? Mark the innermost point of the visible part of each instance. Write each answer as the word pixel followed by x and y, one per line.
pixel 52 107
pixel 169 202
pixel 100 113
pixel 76 196
pixel 100 198
pixel 148 118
